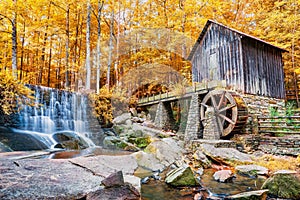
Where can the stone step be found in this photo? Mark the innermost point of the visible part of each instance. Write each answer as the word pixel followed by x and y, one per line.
pixel 216 143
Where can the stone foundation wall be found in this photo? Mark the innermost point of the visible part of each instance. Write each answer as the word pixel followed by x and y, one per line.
pixel 260 106
pixel 288 145
pixel 192 130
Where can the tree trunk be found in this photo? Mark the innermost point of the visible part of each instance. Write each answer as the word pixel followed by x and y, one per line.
pixel 88 50
pixel 111 28
pixel 14 44
pixel 49 64
pixel 22 52
pixel 67 83
pixel 98 62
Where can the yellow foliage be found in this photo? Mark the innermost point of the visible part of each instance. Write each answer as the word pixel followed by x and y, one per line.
pixel 12 94
pixel 274 163
pixel 109 104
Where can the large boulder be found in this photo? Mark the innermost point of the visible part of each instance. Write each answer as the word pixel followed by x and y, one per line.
pixel 63 179
pixel 18 140
pixel 167 150
pixel 284 184
pixel 148 161
pixel 228 156
pixel 182 176
pixel 70 140
pixel 122 118
pixel 4 148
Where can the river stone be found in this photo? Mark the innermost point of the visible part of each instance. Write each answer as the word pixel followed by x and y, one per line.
pixel 134 181
pixel 148 161
pixel 167 150
pixel 223 175
pixel 251 170
pixel 70 140
pixel 201 158
pixel 228 156
pixel 114 142
pixel 122 118
pixel 182 176
pixel 252 195
pixel 126 191
pixel 284 184
pixel 115 179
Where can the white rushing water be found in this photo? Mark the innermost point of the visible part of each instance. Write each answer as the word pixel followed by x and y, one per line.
pixel 55 111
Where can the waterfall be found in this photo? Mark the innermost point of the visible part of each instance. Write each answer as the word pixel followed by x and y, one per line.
pixel 55 111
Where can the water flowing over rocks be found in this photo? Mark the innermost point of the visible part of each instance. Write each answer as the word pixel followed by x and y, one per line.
pixel 21 141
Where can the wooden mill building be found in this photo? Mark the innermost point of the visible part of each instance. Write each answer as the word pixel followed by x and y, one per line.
pixel 248 64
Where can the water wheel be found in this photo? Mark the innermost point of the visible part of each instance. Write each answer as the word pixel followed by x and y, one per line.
pixel 229 109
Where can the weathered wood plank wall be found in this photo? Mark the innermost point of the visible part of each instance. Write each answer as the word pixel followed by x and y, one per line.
pixel 219 57
pixel 263 69
pixel 248 65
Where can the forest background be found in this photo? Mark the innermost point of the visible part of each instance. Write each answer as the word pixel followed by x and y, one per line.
pixel 92 44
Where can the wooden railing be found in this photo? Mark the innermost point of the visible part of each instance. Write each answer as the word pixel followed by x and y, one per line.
pixel 185 92
pixel 279 125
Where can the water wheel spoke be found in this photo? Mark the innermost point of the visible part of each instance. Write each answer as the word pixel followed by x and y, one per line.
pixel 203 104
pixel 222 99
pixel 227 107
pixel 227 119
pixel 213 100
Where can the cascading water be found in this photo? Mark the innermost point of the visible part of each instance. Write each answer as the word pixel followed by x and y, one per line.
pixel 55 112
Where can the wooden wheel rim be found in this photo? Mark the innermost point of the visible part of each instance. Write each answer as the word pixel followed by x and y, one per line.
pixel 225 110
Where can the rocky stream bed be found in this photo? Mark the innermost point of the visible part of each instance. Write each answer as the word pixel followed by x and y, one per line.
pixel 146 163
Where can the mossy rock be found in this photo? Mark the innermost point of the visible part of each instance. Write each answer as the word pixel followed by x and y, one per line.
pixel 182 176
pixel 140 142
pixel 119 129
pixel 284 184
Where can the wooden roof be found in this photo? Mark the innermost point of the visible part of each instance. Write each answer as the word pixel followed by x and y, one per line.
pixel 209 22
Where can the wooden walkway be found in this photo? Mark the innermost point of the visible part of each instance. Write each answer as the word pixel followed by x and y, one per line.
pixel 197 88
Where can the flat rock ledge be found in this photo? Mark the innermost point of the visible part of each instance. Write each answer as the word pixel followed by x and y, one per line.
pixel 78 178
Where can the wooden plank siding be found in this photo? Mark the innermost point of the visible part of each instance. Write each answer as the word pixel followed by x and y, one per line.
pixel 218 58
pixel 247 64
pixel 263 69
